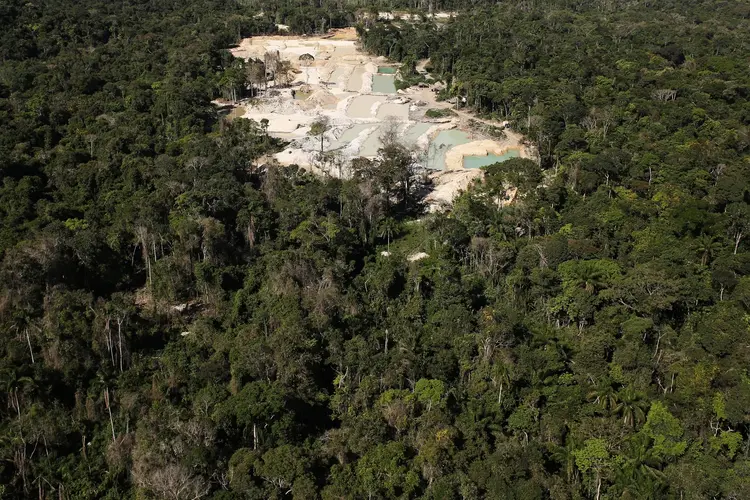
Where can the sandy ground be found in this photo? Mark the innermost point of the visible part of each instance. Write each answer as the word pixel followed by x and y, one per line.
pixel 338 86
pixel 448 184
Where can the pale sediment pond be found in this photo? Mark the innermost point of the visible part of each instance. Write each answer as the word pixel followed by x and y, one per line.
pixel 445 140
pixel 338 74
pixel 383 84
pixel 391 109
pixel 355 80
pixel 475 161
pixel 371 145
pixel 350 134
pixel 361 106
pixel 414 132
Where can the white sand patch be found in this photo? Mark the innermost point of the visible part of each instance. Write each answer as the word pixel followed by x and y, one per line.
pixel 372 144
pixel 323 98
pixel 366 82
pixel 417 256
pixel 278 123
pixel 370 69
pixel 291 48
pixel 310 76
pixel 339 75
pixel 375 107
pixel 345 50
pixel 344 104
pixel 294 156
pixel 448 184
pixel 346 134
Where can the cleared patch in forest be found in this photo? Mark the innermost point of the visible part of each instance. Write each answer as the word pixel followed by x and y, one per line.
pixel 356 96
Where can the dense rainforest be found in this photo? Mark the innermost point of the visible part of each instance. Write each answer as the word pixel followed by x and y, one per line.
pixel 178 322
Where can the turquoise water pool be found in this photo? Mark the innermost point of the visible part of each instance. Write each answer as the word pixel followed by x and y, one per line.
pixel 383 84
pixel 483 161
pixel 386 70
pixel 445 140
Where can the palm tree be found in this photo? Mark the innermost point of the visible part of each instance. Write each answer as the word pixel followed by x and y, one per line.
pixel 588 276
pixel 632 407
pixel 604 396
pixel 387 227
pixel 11 383
pixel 639 476
pixel 565 457
pixel 707 247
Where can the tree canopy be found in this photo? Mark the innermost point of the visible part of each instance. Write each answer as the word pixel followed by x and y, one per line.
pixel 178 320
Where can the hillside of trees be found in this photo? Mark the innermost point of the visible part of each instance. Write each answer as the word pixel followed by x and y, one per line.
pixel 178 322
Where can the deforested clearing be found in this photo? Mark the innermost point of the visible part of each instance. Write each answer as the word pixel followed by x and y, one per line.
pixel 338 78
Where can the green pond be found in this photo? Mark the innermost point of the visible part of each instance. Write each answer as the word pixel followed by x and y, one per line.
pixel 445 140
pixel 383 84
pixel 386 70
pixel 483 161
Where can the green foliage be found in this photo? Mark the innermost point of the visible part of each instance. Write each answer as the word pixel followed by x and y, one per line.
pixel 439 113
pixel 594 456
pixel 384 471
pixel 728 442
pixel 178 323
pixel 666 432
pixel 429 392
